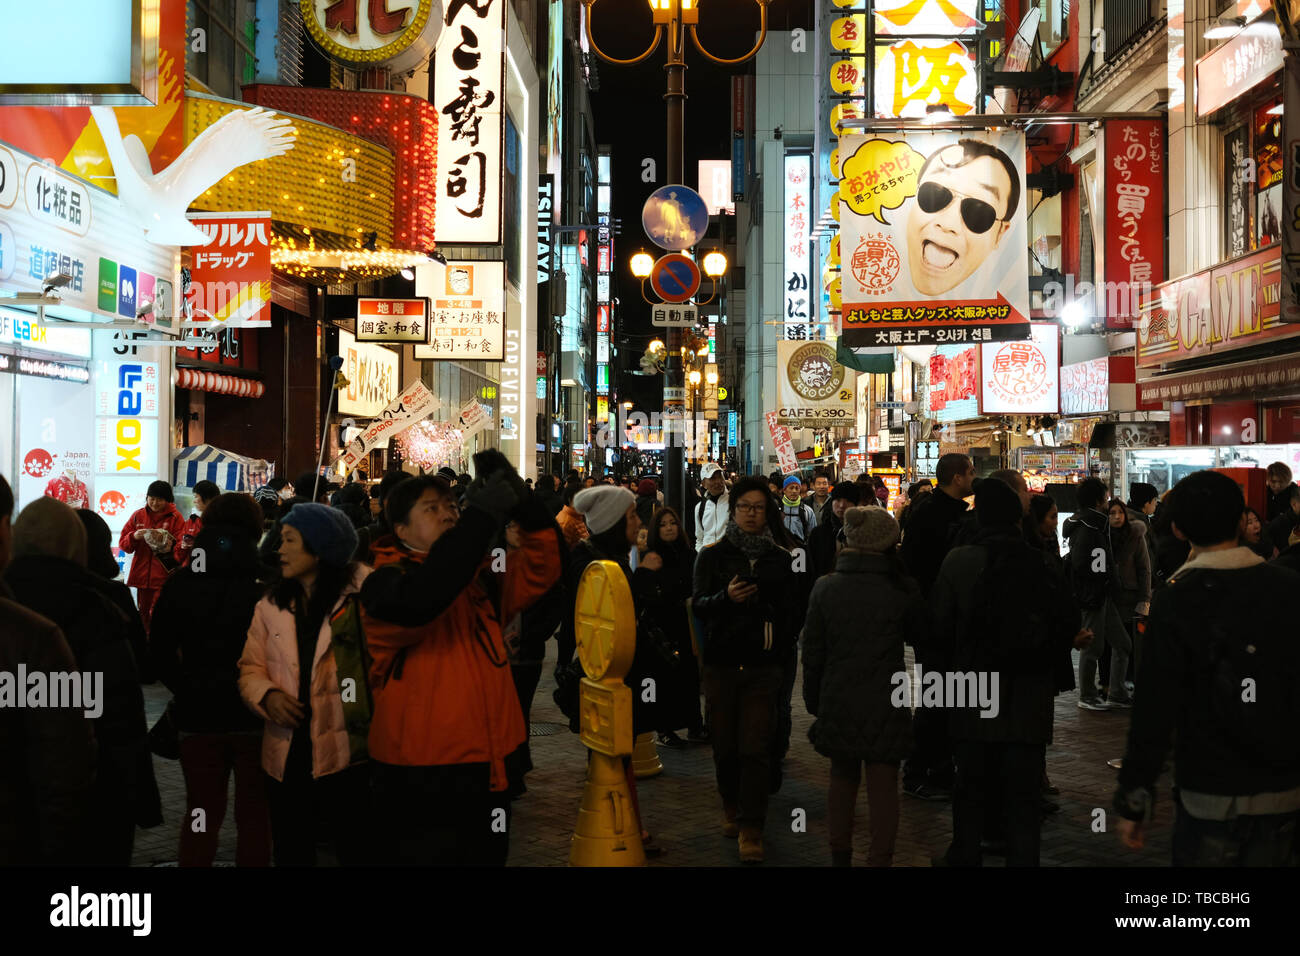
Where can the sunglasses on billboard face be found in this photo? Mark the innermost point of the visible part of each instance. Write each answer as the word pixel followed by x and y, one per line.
pixel 978 215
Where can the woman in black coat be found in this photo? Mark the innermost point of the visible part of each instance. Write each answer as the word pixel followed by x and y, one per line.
pixel 859 617
pixel 49 576
pixel 200 625
pixel 663 592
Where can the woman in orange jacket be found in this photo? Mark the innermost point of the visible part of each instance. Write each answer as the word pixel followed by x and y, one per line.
pixel 447 720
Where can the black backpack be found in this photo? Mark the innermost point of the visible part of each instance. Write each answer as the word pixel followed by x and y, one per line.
pixel 1267 728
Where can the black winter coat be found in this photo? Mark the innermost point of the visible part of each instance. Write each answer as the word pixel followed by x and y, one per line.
pixel 821 544
pixel 645 662
pixel 663 594
pixel 99 636
pixel 200 624
pixel 47 753
pixel 1025 660
pixel 1092 574
pixel 858 620
pixel 765 629
pixel 1201 607
pixel 932 529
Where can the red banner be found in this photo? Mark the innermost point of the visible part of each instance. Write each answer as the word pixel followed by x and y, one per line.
pixel 1135 222
pixel 230 277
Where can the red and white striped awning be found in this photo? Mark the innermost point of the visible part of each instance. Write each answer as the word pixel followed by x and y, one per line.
pixel 216 382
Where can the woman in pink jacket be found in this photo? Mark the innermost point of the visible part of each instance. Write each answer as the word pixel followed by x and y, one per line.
pixel 150 534
pixel 289 675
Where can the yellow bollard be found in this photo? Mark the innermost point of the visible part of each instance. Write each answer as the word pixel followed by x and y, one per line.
pixel 607 833
pixel 645 758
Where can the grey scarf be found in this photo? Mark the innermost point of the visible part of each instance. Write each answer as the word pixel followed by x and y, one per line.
pixel 753 545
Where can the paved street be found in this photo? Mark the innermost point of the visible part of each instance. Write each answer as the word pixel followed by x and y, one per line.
pixel 681 806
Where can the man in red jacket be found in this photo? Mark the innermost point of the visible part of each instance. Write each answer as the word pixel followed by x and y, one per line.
pixel 150 534
pixel 447 723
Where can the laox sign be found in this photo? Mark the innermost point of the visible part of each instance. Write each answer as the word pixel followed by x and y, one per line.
pixel 130 402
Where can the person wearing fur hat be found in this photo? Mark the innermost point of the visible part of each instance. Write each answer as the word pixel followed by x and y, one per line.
pixel 1000 614
pixel 294 658
pixel 49 576
pixel 150 535
pixel 848 669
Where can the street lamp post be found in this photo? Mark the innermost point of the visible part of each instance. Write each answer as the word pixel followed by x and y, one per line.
pixel 675 18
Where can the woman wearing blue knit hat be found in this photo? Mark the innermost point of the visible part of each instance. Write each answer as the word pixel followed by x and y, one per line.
pixel 291 674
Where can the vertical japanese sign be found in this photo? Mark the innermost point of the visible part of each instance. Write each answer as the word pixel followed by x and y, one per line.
pixel 468 91
pixel 783 444
pixel 1290 311
pixel 1135 222
pixel 798 312
pixel 932 232
pixel 468 316
pixel 737 137
pixel 230 278
pixel 924 56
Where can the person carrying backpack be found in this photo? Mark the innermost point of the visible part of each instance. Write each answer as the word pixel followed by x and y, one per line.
pixel 1222 686
pixel 1002 618
pixel 798 518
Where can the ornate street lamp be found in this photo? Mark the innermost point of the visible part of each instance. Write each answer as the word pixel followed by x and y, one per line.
pixel 675 19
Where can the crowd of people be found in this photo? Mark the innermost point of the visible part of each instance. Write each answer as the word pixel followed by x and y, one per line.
pixel 365 662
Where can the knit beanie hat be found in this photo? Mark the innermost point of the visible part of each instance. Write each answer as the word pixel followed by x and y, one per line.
pixel 870 529
pixel 49 527
pixel 790 480
pixel 1139 493
pixel 603 505
pixel 647 487
pixel 846 490
pixel 160 489
pixel 327 531
pixel 996 503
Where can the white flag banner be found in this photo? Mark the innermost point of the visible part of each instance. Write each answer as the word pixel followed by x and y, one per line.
pixel 474 417
pixel 412 405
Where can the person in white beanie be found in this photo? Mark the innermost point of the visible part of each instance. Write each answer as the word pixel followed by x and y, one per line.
pixel 611 516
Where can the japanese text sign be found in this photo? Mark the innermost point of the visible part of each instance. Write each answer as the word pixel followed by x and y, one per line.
pixel 932 232
pixel 230 277
pixel 392 320
pixel 469 92
pixel 789 462
pixel 1245 61
pixel 1135 223
pixel 414 404
pixel 468 311
pixel 1022 378
pixel 800 309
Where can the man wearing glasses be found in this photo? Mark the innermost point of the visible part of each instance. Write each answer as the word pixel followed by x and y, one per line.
pixel 965 197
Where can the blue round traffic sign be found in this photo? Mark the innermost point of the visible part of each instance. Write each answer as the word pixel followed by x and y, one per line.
pixel 675 217
pixel 675 277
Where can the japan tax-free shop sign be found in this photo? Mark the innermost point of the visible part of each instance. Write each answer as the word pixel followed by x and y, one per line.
pixel 933 236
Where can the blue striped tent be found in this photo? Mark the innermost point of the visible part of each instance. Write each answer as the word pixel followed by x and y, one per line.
pixel 226 470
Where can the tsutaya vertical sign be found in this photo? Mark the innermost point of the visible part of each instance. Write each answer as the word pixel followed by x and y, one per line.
pixel 1135 224
pixel 469 91
pixel 798 196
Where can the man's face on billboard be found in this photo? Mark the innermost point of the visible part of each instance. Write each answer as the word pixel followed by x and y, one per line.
pixel 957 220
